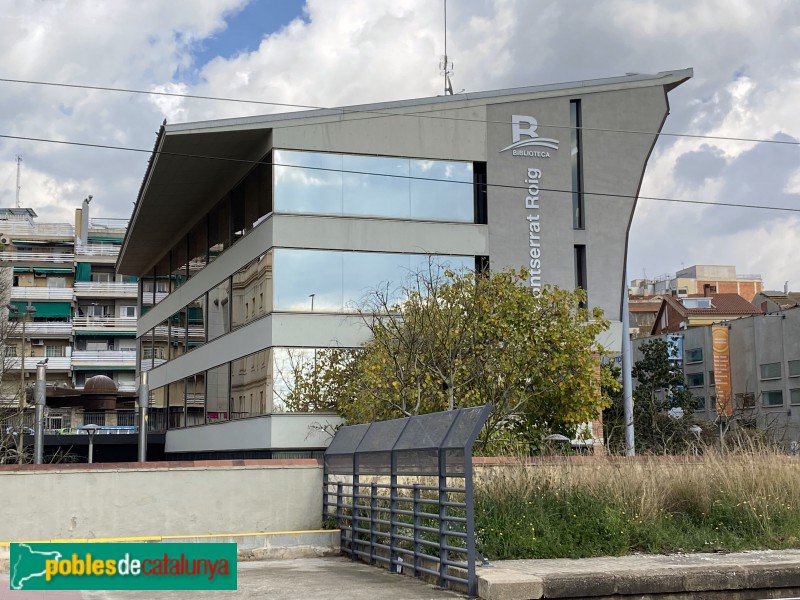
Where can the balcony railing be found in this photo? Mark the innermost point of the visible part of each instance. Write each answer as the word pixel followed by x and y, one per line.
pixel 98 358
pixel 104 323
pixel 34 257
pixel 147 297
pixel 100 288
pixel 54 363
pixel 40 329
pixel 97 250
pixel 41 293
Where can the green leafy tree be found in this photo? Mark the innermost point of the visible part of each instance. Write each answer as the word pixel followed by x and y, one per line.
pixel 461 339
pixel 663 409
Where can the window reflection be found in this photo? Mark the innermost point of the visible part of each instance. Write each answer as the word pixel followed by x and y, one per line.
pixel 195 399
pixel 176 395
pixel 161 343
pixel 146 351
pixel 219 228
pixel 177 334
pixel 251 386
pixel 195 319
pixel 252 290
pixel 217 393
pixel 198 247
pixel 218 306
pixel 156 414
pixel 179 264
pixel 336 184
pixel 335 281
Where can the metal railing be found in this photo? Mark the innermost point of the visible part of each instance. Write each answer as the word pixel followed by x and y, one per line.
pixel 99 323
pixel 59 363
pixel 44 257
pixel 147 298
pixel 97 250
pixel 35 329
pixel 101 288
pixel 40 293
pixel 116 358
pixel 401 493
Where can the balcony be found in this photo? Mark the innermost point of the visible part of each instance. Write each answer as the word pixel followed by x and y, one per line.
pixel 104 250
pixel 36 258
pixel 112 359
pixel 147 297
pixel 111 289
pixel 103 325
pixel 37 329
pixel 54 363
pixel 41 293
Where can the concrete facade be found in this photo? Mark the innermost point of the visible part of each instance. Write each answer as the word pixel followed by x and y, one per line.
pixel 552 188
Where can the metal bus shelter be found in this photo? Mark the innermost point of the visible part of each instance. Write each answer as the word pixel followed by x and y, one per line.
pixel 401 493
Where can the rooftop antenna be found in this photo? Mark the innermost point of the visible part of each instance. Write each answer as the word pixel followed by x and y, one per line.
pixel 445 64
pixel 19 161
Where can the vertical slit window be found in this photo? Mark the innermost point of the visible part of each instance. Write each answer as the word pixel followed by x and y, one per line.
pixel 576 143
pixel 481 193
pixel 580 269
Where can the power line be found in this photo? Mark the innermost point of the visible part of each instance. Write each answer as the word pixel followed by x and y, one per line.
pixel 381 113
pixel 391 175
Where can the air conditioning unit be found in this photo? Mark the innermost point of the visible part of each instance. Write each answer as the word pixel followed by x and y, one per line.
pixel 4 239
pixel 35 342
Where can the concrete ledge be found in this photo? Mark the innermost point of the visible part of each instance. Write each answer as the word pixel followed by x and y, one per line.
pixel 505 584
pixel 250 546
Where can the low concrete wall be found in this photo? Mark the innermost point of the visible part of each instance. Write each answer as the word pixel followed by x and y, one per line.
pixel 47 502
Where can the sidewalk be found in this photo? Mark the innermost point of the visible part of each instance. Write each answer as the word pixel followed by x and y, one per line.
pixel 743 575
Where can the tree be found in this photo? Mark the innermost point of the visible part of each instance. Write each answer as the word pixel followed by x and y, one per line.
pixel 465 339
pixel 663 408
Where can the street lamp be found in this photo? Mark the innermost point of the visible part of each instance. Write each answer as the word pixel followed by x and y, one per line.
pixel 91 429
pixel 29 310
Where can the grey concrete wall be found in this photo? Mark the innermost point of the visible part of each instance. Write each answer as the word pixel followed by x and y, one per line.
pixel 124 501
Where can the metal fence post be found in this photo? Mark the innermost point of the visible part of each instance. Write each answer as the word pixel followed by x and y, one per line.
pixel 417 523
pixel 373 505
pixel 143 401
pixel 39 399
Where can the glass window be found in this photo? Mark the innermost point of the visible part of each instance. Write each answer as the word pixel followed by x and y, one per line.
pixel 340 280
pixel 794 368
pixel 378 186
pixel 308 182
pixel 794 396
pixel 217 393
pixel 694 379
pixel 701 403
pixel 218 306
pixel 770 370
pixel 177 334
pixel 195 399
pixel 146 351
pixel 694 355
pixel 176 393
pixel 575 161
pixel 238 225
pixel 147 289
pixel 161 343
pixel 251 385
pixel 250 286
pixel 162 278
pixel 772 398
pixel 196 325
pixel 711 379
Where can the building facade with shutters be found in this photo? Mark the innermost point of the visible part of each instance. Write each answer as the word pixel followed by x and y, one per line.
pixel 254 237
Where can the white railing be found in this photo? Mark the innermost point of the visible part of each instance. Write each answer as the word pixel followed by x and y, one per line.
pixel 101 288
pixel 145 365
pixel 100 225
pixel 147 297
pixel 749 276
pixel 18 228
pixel 40 293
pixel 100 323
pixel 43 257
pixel 53 362
pixel 35 329
pixel 118 358
pixel 97 250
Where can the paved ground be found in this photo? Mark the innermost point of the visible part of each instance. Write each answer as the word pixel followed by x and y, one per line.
pixel 756 574
pixel 298 579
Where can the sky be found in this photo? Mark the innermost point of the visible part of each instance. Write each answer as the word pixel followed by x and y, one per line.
pixel 745 55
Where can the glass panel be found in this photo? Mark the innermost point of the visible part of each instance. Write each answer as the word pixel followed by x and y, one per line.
pixel 161 343
pixel 156 414
pixel 218 306
pixel 794 368
pixel 198 247
pixel 287 365
pixel 195 399
pixel 701 403
pixel 162 278
pixel 773 398
pixel 195 319
pixel 770 370
pixel 575 163
pixel 238 226
pixel 177 334
pixel 384 194
pixel 146 351
pixel 448 200
pixel 794 396
pixel 217 393
pixel 251 386
pixel 307 182
pixel 177 400
pixel 219 229
pixel 694 355
pixel 252 290
pixel 694 379
pixel 258 189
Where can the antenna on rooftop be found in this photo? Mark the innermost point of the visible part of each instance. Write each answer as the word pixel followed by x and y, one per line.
pixel 19 161
pixel 445 64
